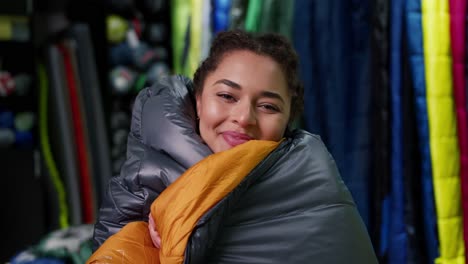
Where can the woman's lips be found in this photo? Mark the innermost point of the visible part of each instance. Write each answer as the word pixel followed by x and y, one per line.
pixel 235 138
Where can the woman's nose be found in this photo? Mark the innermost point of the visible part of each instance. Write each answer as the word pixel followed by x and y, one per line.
pixel 244 114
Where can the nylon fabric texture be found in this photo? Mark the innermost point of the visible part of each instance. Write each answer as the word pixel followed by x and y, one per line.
pixel 443 134
pixel 179 207
pixel 195 49
pixel 381 125
pixel 397 233
pixel 180 18
pixel 296 189
pixel 458 45
pixel 337 92
pixel 254 11
pixel 414 36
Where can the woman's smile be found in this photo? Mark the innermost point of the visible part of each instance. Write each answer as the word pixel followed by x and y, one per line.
pixel 234 138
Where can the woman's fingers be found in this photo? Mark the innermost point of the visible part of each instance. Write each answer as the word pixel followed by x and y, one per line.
pixel 153 233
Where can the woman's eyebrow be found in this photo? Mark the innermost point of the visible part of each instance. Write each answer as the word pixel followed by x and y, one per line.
pixel 272 95
pixel 229 83
pixel 237 86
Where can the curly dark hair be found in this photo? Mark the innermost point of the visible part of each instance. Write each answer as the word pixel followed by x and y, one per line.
pixel 272 45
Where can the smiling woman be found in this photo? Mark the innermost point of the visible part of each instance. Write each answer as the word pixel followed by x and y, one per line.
pixel 233 184
pixel 246 98
pixel 248 88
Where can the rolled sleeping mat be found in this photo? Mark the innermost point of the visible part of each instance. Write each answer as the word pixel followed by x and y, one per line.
pixel 64 147
pixel 91 90
pixel 79 125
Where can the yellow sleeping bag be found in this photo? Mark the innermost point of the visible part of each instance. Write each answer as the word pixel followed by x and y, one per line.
pixel 442 130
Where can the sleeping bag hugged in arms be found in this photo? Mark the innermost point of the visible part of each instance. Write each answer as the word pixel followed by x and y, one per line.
pixel 259 202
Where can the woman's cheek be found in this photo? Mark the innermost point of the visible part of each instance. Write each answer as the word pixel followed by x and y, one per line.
pixel 276 129
pixel 217 109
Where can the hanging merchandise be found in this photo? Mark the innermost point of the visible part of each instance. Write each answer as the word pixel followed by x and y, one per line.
pixel 180 19
pixel 412 180
pixel 194 51
pixel 221 11
pixel 276 16
pixel 46 150
pixel 271 16
pixel 93 108
pixel 397 245
pixel 380 207
pixel 458 47
pixel 206 29
pixel 186 35
pixel 254 11
pixel 414 35
pixel 87 129
pixel 302 40
pixel 442 130
pixel 64 136
pixel 80 136
pixel 331 38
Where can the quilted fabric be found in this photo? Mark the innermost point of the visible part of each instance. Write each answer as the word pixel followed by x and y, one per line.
pixel 443 133
pixel 398 237
pixel 337 89
pixel 178 209
pixel 458 45
pixel 417 69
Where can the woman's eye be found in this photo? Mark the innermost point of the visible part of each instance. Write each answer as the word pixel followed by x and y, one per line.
pixel 227 97
pixel 270 108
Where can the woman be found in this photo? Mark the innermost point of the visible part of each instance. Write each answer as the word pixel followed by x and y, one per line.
pixel 266 195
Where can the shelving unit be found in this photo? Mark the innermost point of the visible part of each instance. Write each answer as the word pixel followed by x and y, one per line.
pixel 23 194
pixel 134 21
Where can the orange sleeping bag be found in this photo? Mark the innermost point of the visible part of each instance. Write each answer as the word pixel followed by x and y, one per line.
pixel 177 210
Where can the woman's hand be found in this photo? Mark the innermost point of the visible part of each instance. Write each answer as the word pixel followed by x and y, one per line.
pixel 153 232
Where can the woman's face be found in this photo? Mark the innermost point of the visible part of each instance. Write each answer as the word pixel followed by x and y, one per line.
pixel 245 98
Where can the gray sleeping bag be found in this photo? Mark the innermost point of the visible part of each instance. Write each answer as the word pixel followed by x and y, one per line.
pixel 292 208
